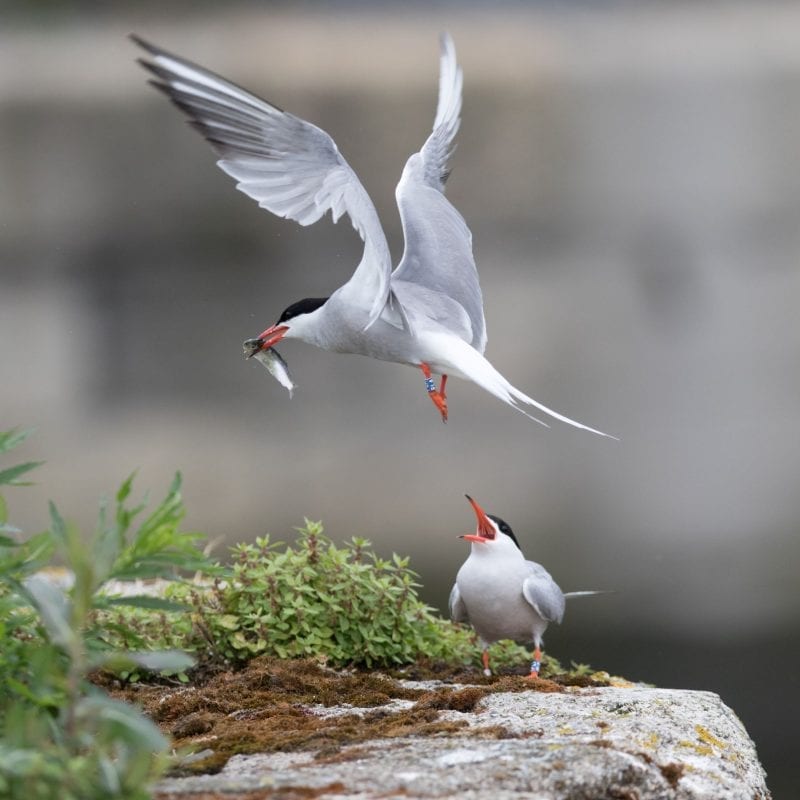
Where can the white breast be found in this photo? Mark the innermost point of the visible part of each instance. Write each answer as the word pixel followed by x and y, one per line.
pixel 491 590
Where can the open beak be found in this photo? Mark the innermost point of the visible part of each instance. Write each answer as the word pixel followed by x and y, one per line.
pixel 269 338
pixel 486 532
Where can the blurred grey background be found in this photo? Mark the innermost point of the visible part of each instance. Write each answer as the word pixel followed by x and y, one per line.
pixel 631 175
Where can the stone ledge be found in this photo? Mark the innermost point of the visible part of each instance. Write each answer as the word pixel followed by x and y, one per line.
pixel 631 743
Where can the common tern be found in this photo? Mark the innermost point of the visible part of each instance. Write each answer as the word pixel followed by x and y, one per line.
pixel 503 596
pixel 428 312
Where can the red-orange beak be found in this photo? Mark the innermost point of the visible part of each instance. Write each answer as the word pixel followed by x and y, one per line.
pixel 269 338
pixel 486 530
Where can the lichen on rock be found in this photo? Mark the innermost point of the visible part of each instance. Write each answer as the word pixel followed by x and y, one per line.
pixel 507 737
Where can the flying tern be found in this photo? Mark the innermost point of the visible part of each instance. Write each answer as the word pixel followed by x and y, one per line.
pixel 428 312
pixel 502 595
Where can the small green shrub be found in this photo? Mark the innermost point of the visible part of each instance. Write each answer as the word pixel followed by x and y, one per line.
pixel 59 735
pixel 344 603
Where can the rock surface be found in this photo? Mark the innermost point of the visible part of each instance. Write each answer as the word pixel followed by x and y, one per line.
pixel 625 743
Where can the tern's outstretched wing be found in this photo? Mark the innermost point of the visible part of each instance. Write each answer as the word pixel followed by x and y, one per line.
pixel 438 243
pixel 542 592
pixel 458 611
pixel 291 167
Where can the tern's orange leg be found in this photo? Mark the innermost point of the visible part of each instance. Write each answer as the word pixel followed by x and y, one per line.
pixel 437 395
pixel 536 664
pixel 485 658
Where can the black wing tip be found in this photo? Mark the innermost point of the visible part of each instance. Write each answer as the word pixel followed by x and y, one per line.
pixel 162 87
pixel 144 44
pixel 167 76
pixel 158 52
pixel 152 49
pixel 163 73
pixel 149 66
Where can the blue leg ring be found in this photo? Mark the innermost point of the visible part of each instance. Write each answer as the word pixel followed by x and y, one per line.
pixel 536 666
pixel 430 385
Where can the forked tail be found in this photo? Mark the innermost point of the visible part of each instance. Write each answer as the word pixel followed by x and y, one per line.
pixel 472 365
pixel 522 397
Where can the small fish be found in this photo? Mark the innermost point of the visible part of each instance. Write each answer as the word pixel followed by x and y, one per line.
pixel 273 361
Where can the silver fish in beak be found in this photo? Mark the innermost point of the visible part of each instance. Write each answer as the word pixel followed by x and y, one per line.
pixel 272 361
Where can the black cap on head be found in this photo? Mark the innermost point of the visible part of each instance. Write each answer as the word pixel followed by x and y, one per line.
pixel 505 528
pixel 304 306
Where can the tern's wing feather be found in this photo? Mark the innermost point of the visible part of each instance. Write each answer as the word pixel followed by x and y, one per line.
pixel 289 166
pixel 440 144
pixel 425 306
pixel 458 611
pixel 438 243
pixel 542 592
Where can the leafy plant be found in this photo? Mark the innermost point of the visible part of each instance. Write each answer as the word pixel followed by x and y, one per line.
pixel 61 736
pixel 345 603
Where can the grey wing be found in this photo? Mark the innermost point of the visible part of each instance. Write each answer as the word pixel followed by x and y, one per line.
pixel 289 166
pixel 543 593
pixel 458 611
pixel 424 306
pixel 438 243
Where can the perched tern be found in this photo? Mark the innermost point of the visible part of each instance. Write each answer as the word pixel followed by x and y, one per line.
pixel 502 595
pixel 428 312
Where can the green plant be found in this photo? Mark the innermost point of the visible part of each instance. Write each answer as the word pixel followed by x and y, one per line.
pixel 344 603
pixel 61 736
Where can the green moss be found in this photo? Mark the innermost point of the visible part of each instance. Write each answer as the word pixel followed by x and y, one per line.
pixel 273 705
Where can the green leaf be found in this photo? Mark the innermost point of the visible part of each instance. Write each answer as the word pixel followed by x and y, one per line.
pixel 38 698
pixel 53 608
pixel 13 438
pixel 125 633
pixel 155 661
pixel 228 622
pixel 164 660
pixel 57 525
pixel 106 548
pixel 35 552
pixel 142 601
pixel 134 727
pixel 11 474
pixel 125 488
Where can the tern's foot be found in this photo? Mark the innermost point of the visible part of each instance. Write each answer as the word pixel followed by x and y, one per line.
pixel 438 396
pixel 485 660
pixel 440 401
pixel 536 663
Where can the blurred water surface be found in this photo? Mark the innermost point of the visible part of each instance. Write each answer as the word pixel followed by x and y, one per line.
pixel 632 181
